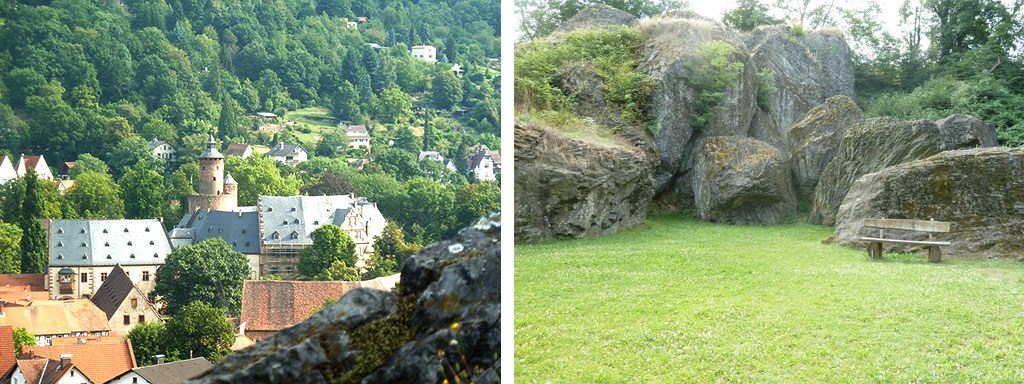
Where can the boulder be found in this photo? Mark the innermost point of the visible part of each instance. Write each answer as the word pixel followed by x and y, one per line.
pixel 580 186
pixel 871 146
pixel 765 127
pixel 797 74
pixel 446 311
pixel 815 139
pixel 597 16
pixel 981 191
pixel 832 54
pixel 739 180
pixel 671 54
pixel 963 132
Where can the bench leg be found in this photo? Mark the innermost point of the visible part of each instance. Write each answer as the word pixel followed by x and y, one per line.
pixel 934 254
pixel 875 250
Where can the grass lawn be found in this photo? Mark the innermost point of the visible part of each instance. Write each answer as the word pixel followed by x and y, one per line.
pixel 317 119
pixel 687 301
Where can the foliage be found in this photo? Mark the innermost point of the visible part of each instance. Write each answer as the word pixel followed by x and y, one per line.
pixel 210 272
pixel 200 330
pixel 710 78
pixel 22 337
pixel 445 90
pixel 327 302
pixel 539 18
pixel 401 164
pixel 339 270
pixel 147 341
pixel 389 252
pixel 10 248
pixel 142 191
pixel 331 143
pixel 766 88
pixel 392 106
pixel 96 196
pixel 613 54
pixel 329 184
pixel 476 200
pixel 87 163
pixel 33 239
pixel 330 244
pixel 258 176
pixel 747 15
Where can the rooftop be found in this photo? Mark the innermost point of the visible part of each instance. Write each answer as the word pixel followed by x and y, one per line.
pixel 294 218
pixel 271 305
pixel 108 242
pixel 100 362
pixel 241 230
pixel 113 291
pixel 41 371
pixel 34 281
pixel 173 372
pixel 237 149
pixel 283 149
pixel 57 317
pixel 211 150
pixel 7 357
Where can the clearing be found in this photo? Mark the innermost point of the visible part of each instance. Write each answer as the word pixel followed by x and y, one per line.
pixel 688 301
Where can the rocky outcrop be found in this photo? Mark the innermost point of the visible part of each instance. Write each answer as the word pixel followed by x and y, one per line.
pixel 815 139
pixel 832 54
pixel 871 146
pixel 981 191
pixel 963 132
pixel 597 16
pixel 670 57
pixel 445 313
pixel 738 180
pixel 571 188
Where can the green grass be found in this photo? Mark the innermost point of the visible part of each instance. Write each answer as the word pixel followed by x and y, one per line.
pixel 314 118
pixel 686 301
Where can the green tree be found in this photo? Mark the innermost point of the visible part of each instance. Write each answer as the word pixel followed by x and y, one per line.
pixel 747 15
pixel 445 90
pixel 341 271
pixel 392 106
pixel 330 244
pixel 398 163
pixel 405 139
pixel 228 126
pixel 130 152
pixel 33 239
pixel 257 176
pixel 476 200
pixel 430 136
pixel 96 196
pixel 22 337
pixel 147 341
pixel 430 205
pixel 327 302
pixel 199 329
pixel 329 184
pixel 389 252
pixel 10 248
pixel 332 144
pixel 210 272
pixel 345 102
pixel 142 191
pixel 87 163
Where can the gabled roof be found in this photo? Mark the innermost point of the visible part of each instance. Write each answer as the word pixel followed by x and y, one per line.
pixel 174 372
pixel 99 362
pixel 283 149
pixel 7 357
pixel 31 161
pixel 477 158
pixel 7 170
pixel 114 291
pixel 108 242
pixel 57 317
pixel 41 371
pixel 241 230
pixel 237 149
pixel 156 143
pixel 106 339
pixel 304 214
pixel 34 281
pixel 432 155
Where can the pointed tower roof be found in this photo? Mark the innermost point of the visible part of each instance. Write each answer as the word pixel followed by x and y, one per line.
pixel 229 180
pixel 211 150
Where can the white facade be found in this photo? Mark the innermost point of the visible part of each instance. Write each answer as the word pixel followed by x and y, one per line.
pixel 484 170
pixel 129 377
pixel 38 163
pixel 7 171
pixel 290 154
pixel 74 376
pixel 163 150
pixel 424 52
pixel 358 136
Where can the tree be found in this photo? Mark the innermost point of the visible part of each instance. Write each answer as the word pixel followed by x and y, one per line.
pixel 96 196
pixel 392 106
pixel 327 302
pixel 199 330
pixel 747 15
pixel 398 163
pixel 130 152
pixel 389 252
pixel 429 205
pixel 228 126
pixel 10 248
pixel 476 200
pixel 22 337
pixel 33 239
pixel 339 270
pixel 257 176
pixel 430 136
pixel 87 163
pixel 329 185
pixel 142 191
pixel 446 91
pixel 210 272
pixel 146 342
pixel 405 139
pixel 330 244
pixel 332 144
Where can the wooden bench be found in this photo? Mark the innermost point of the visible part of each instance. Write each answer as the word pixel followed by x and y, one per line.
pixel 929 226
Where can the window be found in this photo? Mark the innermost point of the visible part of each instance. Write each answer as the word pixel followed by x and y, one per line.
pixel 275 235
pixel 151 242
pixel 83 244
pixel 129 243
pixel 60 231
pixel 103 277
pixel 275 270
pixel 60 244
pixel 296 221
pixel 243 231
pixel 147 229
pixel 289 269
pixel 85 277
pixel 293 209
pixel 126 230
pixel 142 318
pixel 282 223
pixel 104 230
pixel 145 275
pixel 135 302
pixel 83 230
pixel 107 244
pixel 127 319
pixel 295 235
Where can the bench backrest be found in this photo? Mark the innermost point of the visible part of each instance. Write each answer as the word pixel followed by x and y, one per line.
pixel 909 225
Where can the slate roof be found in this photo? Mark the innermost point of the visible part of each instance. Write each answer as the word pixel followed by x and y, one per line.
pixel 57 317
pixel 432 155
pixel 241 230
pixel 302 215
pixel 285 149
pixel 41 371
pixel 236 150
pixel 82 243
pixel 99 362
pixel 173 372
pixel 114 290
pixel 34 281
pixel 211 150
pixel 156 143
pixel 7 357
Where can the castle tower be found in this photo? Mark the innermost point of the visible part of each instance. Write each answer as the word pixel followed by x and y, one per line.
pixel 215 193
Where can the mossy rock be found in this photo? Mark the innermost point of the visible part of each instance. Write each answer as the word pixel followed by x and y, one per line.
pixel 739 180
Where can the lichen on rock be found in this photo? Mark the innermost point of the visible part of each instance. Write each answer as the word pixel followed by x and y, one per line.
pixel 738 180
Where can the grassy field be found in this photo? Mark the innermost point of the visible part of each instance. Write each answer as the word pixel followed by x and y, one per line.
pixel 686 301
pixel 319 121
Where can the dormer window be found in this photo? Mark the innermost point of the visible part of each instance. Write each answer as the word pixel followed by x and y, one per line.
pixel 209 230
pixel 60 244
pixel 129 243
pixel 83 230
pixel 293 209
pixel 157 255
pixel 151 242
pixel 295 235
pixel 106 244
pixel 60 257
pixel 246 243
pixel 284 222
pixel 270 209
pixel 84 245
pixel 147 229
pixel 234 243
pixel 132 256
pixel 104 230
pixel 296 221
pixel 275 235
pixel 316 222
pixel 220 230
pixel 243 231
pixel 84 257
pixel 109 257
pixel 60 231
pixel 126 230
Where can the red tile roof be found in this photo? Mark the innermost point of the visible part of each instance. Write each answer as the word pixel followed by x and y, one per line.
pixel 41 371
pixel 35 281
pixel 7 357
pixel 236 149
pixel 57 317
pixel 31 161
pixel 271 305
pixel 108 339
pixel 100 362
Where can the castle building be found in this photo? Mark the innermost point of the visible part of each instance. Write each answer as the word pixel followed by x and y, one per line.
pixel 216 192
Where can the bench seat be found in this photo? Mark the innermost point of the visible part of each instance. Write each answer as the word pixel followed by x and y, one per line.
pixel 921 242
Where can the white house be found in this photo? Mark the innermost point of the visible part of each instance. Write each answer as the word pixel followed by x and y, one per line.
pixel 290 154
pixel 173 372
pixel 37 163
pixel 424 52
pixel 484 164
pixel 458 71
pixel 431 155
pixel 358 136
pixel 33 371
pixel 163 150
pixel 7 171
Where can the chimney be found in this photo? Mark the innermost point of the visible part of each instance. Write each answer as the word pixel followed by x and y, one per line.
pixel 65 359
pixel 158 359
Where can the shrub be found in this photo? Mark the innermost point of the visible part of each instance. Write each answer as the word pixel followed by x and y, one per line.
pixel 765 88
pixel 710 76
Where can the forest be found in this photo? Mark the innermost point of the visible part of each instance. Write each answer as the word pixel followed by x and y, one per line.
pixel 93 82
